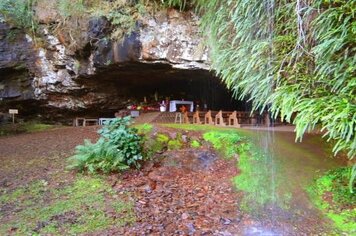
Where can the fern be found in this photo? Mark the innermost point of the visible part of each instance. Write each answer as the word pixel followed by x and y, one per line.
pixel 118 148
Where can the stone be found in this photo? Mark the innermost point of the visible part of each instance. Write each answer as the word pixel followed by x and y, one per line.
pixel 185 216
pixel 64 76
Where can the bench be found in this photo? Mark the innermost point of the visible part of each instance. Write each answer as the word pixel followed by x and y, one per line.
pixel 78 121
pixel 90 121
pixel 81 121
pixel 102 121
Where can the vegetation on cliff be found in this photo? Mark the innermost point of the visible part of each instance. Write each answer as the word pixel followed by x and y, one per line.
pixel 294 58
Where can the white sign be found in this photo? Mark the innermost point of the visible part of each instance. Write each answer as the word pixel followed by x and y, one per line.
pixel 13 111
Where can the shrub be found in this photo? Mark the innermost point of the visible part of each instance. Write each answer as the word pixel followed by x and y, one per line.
pixel 118 148
pixel 224 142
pixel 174 144
pixel 330 193
pixel 195 144
pixel 20 13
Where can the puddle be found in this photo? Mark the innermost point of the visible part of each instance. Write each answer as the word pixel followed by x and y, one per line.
pixel 275 186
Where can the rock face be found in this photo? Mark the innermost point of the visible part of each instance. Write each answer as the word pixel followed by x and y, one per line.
pixel 51 73
pixel 16 58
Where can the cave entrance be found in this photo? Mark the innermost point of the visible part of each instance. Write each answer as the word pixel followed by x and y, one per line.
pixel 147 85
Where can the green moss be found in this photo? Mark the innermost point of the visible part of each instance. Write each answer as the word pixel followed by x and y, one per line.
pixel 224 142
pixel 195 144
pixel 155 144
pixel 330 193
pixel 26 127
pixel 34 127
pixel 205 128
pixel 83 203
pixel 174 144
pixel 162 138
pixel 251 180
pixel 143 129
pixel 24 196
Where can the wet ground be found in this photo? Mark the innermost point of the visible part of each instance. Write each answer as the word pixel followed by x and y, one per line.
pixel 188 191
pixel 283 170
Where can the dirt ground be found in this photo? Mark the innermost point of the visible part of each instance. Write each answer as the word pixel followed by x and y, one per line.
pixel 31 156
pixel 182 192
pixel 189 193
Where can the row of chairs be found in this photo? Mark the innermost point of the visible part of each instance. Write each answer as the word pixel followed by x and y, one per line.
pixel 219 118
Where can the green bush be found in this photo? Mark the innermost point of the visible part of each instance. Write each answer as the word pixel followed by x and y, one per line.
pixel 174 144
pixel 20 13
pixel 224 142
pixel 118 148
pixel 195 144
pixel 330 193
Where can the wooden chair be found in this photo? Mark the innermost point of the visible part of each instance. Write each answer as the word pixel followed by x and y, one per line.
pixel 186 118
pixel 208 120
pixel 196 118
pixel 233 120
pixel 178 118
pixel 219 120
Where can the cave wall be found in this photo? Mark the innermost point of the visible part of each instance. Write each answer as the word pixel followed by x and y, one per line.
pixel 47 72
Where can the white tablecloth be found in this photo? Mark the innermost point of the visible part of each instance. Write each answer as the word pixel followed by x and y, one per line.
pixel 173 105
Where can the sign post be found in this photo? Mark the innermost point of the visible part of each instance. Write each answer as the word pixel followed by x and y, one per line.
pixel 13 112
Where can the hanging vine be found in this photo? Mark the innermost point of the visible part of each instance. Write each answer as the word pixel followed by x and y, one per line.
pixel 309 79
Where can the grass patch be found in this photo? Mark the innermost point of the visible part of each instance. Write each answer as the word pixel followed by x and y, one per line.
pixel 330 193
pixel 159 142
pixel 255 181
pixel 27 127
pixel 75 209
pixel 225 142
pixel 162 138
pixel 206 128
pixel 154 143
pixel 143 129
pixel 175 144
pixel 195 144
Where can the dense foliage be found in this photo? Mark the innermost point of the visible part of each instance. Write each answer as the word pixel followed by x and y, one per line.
pixel 118 148
pixel 281 54
pixel 294 58
pixel 331 194
pixel 19 12
pixel 74 15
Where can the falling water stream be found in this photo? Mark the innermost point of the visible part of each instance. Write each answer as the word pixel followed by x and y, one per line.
pixel 281 171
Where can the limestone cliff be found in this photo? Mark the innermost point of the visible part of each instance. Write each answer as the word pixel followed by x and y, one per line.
pixel 47 72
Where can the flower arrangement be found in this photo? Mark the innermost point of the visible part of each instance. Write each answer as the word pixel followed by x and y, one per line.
pixel 142 107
